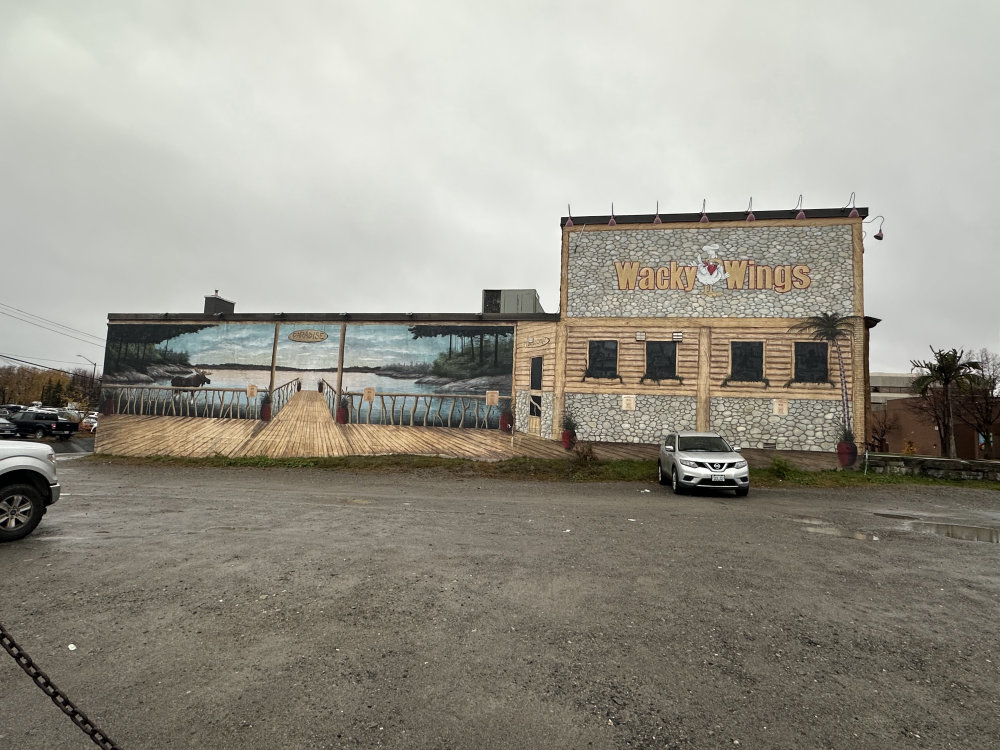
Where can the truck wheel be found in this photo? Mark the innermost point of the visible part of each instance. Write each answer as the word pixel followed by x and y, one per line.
pixel 39 434
pixel 21 508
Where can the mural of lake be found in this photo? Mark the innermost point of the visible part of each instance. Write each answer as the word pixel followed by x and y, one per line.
pixel 453 359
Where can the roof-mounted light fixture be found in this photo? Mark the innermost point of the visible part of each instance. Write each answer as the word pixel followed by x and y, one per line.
pixel 801 214
pixel 749 211
pixel 612 222
pixel 850 204
pixel 881 220
pixel 656 219
pixel 704 216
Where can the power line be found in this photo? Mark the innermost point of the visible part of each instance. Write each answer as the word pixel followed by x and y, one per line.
pixel 35 364
pixel 43 359
pixel 39 325
pixel 47 320
pixel 53 322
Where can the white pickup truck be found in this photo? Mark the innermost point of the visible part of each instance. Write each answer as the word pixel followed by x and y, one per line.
pixel 28 486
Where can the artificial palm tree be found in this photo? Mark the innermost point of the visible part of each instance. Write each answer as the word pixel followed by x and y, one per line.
pixel 947 369
pixel 833 328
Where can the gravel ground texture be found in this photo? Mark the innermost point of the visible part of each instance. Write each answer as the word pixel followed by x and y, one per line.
pixel 184 607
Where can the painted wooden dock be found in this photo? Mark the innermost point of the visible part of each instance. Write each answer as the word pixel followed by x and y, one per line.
pixel 304 428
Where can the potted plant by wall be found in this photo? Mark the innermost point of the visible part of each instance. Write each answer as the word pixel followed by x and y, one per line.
pixel 507 418
pixel 847 449
pixel 344 410
pixel 265 407
pixel 568 432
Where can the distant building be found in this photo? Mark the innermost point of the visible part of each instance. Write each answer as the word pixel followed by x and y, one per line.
pixel 899 424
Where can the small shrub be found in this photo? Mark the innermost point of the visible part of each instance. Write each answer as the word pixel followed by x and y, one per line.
pixel 781 469
pixel 583 453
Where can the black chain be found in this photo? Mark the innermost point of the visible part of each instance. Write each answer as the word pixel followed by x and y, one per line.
pixel 58 697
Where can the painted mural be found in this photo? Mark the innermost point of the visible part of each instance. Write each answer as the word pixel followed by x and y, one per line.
pixel 390 358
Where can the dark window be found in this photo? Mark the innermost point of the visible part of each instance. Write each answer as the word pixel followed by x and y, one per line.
pixel 811 362
pixel 603 360
pixel 535 406
pixel 748 361
pixel 661 360
pixel 536 373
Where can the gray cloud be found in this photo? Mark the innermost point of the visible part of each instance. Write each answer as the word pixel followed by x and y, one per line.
pixel 401 157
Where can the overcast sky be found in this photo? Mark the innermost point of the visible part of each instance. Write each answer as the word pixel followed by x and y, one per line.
pixel 402 156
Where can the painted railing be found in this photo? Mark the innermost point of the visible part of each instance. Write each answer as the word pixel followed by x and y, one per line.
pixel 418 409
pixel 205 402
pixel 283 394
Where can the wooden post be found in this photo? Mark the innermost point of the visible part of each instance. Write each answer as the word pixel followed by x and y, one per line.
pixel 703 410
pixel 274 358
pixel 340 365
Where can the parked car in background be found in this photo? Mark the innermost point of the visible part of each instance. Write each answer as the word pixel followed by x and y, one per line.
pixel 42 424
pixel 9 410
pixel 89 423
pixel 697 460
pixel 7 428
pixel 28 486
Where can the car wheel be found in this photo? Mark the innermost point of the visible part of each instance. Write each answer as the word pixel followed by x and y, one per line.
pixel 675 482
pixel 742 491
pixel 660 476
pixel 39 434
pixel 21 508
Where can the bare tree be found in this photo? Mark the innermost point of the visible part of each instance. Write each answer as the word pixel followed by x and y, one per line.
pixel 881 425
pixel 978 400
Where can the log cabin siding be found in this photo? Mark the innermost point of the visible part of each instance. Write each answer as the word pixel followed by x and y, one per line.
pixel 535 340
pixel 631 358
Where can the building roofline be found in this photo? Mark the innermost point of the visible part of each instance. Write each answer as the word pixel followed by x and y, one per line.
pixel 279 317
pixel 716 216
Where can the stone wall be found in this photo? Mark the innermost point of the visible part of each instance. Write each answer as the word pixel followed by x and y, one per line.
pixel 811 425
pixel 600 417
pixel 939 468
pixel 823 256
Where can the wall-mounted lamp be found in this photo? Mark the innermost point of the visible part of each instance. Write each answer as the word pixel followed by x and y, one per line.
pixel 801 214
pixel 850 203
pixel 612 222
pixel 749 211
pixel 569 216
pixel 678 336
pixel 881 220
pixel 704 216
pixel 656 219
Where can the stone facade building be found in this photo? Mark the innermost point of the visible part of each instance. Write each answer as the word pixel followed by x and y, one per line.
pixel 684 321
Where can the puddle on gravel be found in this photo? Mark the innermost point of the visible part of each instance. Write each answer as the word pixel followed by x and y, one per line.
pixel 843 533
pixel 959 531
pixel 900 516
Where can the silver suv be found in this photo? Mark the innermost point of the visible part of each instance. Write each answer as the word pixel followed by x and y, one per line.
pixel 690 460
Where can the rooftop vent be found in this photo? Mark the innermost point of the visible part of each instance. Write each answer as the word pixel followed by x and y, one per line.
pixel 215 304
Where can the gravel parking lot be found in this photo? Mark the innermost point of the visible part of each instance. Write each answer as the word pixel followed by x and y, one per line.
pixel 244 608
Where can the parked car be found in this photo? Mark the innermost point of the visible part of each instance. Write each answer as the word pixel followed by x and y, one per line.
pixel 43 424
pixel 89 423
pixel 9 410
pixel 7 428
pixel 697 460
pixel 28 486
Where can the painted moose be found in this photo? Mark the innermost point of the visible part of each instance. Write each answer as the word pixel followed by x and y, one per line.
pixel 194 380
